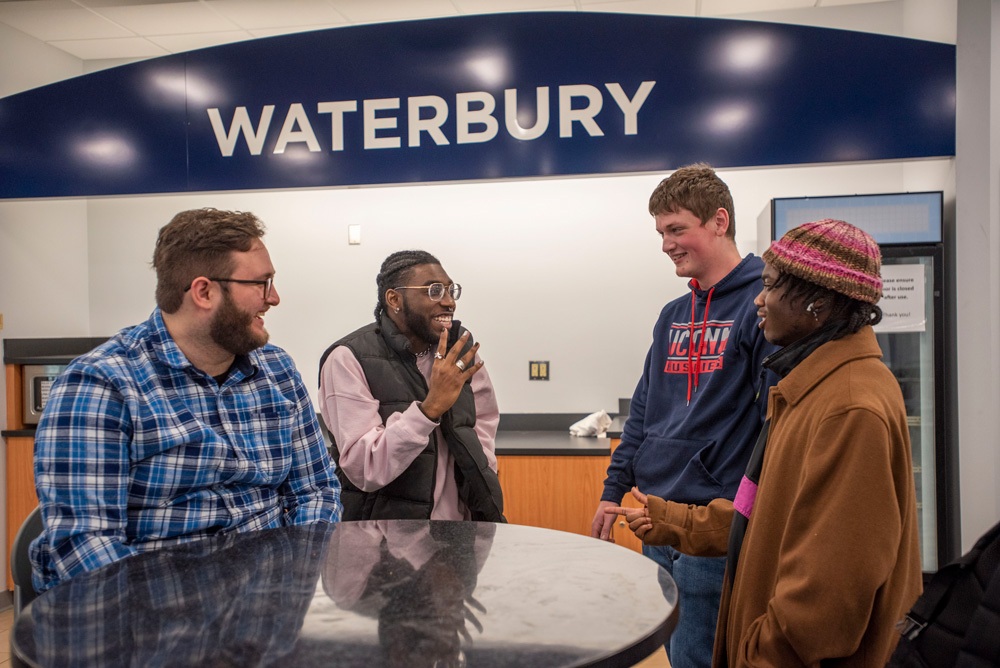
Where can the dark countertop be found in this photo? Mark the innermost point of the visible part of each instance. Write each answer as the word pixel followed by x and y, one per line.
pixel 405 592
pixel 549 443
pixel 48 351
pixel 7 433
pixel 617 424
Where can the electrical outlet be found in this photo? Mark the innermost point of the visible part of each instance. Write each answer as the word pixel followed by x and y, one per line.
pixel 538 370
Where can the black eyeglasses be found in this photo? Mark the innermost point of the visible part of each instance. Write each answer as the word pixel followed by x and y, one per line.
pixel 268 283
pixel 436 290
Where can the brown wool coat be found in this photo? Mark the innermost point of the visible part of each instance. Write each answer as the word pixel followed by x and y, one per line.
pixel 831 558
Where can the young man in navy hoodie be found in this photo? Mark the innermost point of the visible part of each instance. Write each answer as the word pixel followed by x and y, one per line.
pixel 701 400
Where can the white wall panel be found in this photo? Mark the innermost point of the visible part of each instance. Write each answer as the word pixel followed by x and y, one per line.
pixel 26 63
pixel 566 270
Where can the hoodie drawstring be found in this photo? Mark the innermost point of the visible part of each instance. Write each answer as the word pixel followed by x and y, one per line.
pixel 701 343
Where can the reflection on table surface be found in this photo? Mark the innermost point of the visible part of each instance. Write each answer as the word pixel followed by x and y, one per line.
pixel 391 593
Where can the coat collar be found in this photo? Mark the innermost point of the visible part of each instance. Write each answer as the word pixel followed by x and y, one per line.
pixel 826 359
pixel 783 361
pixel 397 341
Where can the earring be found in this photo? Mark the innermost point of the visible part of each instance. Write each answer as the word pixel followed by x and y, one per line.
pixel 815 312
pixel 397 310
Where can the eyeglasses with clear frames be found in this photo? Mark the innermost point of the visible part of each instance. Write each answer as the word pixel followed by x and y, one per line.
pixel 436 290
pixel 268 283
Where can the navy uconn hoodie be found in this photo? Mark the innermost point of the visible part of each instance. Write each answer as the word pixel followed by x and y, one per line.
pixel 697 409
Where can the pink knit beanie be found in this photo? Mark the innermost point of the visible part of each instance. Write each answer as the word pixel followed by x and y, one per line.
pixel 832 254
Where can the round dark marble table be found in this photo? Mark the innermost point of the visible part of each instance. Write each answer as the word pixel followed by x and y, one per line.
pixel 404 593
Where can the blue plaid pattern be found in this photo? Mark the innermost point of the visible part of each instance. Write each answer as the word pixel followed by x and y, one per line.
pixel 238 600
pixel 138 449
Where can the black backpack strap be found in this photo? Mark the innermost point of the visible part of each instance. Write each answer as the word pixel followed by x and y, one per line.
pixel 929 604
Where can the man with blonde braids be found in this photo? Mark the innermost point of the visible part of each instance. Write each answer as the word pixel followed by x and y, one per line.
pixel 409 405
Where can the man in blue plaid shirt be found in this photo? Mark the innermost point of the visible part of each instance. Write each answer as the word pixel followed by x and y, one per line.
pixel 187 425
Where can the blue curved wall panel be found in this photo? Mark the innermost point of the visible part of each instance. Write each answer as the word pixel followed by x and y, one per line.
pixel 481 97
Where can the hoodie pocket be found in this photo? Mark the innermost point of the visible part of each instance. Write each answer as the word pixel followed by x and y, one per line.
pixel 674 469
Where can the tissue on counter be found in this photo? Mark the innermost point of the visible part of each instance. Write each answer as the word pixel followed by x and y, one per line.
pixel 594 424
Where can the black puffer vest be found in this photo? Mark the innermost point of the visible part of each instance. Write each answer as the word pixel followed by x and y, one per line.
pixel 394 379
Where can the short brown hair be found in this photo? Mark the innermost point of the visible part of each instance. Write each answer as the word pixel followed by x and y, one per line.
pixel 199 242
pixel 698 189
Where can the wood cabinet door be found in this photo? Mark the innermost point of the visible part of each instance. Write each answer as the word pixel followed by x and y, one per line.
pixel 554 492
pixel 21 496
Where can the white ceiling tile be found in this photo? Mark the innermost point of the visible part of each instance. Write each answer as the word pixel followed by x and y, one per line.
pixel 366 11
pixel 666 7
pixel 273 32
pixel 97 4
pixel 498 6
pixel 81 25
pixel 724 7
pixel 258 14
pixel 831 3
pixel 57 19
pixel 181 43
pixel 128 47
pixel 169 19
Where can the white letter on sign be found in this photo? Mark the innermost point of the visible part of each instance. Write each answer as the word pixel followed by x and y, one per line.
pixel 373 123
pixel 583 116
pixel 432 125
pixel 464 117
pixel 241 123
pixel 337 111
pixel 630 107
pixel 541 114
pixel 296 116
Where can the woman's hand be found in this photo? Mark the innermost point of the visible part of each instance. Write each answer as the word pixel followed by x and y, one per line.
pixel 637 518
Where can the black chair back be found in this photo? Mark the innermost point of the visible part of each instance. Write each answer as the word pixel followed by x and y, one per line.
pixel 20 564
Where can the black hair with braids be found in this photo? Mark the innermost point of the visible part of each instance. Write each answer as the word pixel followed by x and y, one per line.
pixel 395 272
pixel 841 307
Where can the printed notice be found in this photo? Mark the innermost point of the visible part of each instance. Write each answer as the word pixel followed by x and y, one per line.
pixel 903 299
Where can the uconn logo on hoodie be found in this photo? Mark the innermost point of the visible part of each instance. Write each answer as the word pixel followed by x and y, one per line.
pixel 711 337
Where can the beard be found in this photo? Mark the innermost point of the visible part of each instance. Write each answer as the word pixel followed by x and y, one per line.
pixel 419 325
pixel 232 329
